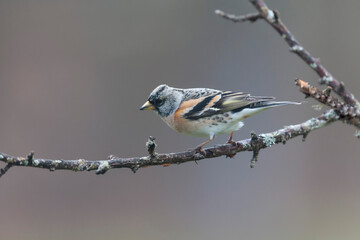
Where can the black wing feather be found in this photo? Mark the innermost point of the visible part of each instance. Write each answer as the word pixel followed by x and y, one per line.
pixel 229 102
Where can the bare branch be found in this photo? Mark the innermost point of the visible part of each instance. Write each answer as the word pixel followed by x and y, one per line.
pixel 272 17
pixel 254 144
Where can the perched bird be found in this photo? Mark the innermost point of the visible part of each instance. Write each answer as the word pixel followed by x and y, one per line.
pixel 204 112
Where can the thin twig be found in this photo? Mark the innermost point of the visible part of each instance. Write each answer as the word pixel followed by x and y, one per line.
pixel 5 169
pixel 251 17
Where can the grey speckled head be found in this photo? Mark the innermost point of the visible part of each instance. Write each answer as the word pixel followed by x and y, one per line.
pixel 166 99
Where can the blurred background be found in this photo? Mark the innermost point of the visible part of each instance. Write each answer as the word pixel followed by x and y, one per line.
pixel 73 75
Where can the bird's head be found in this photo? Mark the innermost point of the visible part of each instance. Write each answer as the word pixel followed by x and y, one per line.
pixel 164 100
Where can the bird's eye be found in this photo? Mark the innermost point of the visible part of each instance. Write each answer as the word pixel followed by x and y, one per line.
pixel 160 102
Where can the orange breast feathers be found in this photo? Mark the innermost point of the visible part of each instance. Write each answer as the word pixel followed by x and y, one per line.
pixel 181 124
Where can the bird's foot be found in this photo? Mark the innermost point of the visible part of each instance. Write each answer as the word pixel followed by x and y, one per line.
pixel 233 143
pixel 198 153
pixel 230 141
pixel 199 150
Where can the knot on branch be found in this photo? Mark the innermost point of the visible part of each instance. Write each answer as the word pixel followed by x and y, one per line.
pixel 283 139
pixel 326 79
pixel 30 158
pixel 304 136
pixel 341 89
pixel 112 157
pixel 296 49
pixel 198 155
pixel 256 144
pixel 150 146
pixel 327 91
pixel 104 166
pixel 82 166
pixel 135 168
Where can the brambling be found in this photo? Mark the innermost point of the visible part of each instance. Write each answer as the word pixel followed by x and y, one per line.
pixel 204 112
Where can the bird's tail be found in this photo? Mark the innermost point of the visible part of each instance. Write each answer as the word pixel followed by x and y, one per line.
pixel 259 106
pixel 270 104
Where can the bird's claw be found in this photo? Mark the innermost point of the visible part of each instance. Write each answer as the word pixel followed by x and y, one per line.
pixel 230 141
pixel 198 153
pixel 233 143
pixel 199 150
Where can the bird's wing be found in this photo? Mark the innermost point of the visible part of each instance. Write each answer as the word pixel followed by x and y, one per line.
pixel 221 102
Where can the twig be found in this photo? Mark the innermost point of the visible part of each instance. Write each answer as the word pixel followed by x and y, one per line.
pixel 347 113
pixel 251 17
pixel 255 146
pixel 101 166
pixel 272 17
pixel 344 110
pixel 5 169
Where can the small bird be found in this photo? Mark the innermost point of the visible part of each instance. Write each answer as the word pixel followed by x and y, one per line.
pixel 205 112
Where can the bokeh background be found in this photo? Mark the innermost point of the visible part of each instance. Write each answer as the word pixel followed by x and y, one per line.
pixel 73 75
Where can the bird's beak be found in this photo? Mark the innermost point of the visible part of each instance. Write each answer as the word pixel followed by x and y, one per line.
pixel 147 106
